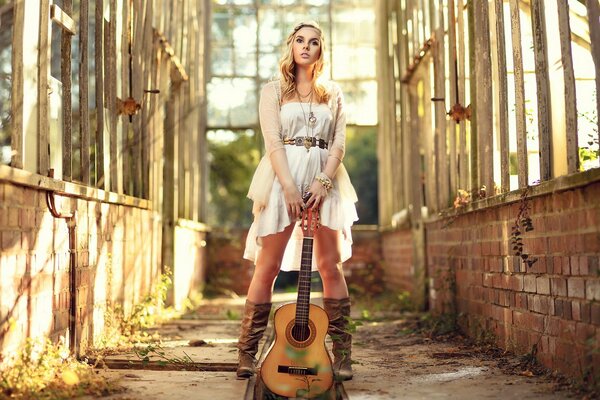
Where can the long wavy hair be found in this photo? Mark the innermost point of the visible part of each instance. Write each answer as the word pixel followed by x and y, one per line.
pixel 287 66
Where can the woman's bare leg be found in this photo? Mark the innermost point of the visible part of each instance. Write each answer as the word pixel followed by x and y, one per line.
pixel 268 264
pixel 327 254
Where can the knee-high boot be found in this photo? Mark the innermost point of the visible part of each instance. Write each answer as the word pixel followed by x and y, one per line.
pixel 254 323
pixel 338 310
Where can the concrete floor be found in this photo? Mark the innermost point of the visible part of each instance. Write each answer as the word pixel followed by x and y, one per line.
pixel 389 364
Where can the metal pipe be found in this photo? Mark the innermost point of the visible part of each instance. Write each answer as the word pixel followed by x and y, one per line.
pixel 71 219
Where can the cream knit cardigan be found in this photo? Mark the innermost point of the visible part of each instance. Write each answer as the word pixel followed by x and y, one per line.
pixel 270 123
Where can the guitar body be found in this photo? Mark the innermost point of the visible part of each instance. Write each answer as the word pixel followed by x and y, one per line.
pixel 298 368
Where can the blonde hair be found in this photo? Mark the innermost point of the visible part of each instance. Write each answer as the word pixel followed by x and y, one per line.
pixel 287 66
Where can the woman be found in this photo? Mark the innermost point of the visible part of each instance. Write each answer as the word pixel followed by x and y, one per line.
pixel 303 123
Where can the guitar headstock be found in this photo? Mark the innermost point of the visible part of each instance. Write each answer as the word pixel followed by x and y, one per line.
pixel 310 219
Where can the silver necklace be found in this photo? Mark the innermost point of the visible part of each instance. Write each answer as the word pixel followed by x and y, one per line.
pixel 310 124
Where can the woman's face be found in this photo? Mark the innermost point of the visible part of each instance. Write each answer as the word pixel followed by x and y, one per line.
pixel 306 46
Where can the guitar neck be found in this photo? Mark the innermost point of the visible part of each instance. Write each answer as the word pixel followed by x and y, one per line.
pixel 303 301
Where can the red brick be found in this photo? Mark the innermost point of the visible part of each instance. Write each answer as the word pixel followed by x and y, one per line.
pixel 576 311
pixel 595 314
pixel 521 300
pixel 516 283
pixel 543 285
pixel 591 242
pixel 583 265
pixel 558 286
pixel 592 288
pixel 576 287
pixel 529 282
pixel 574 260
pixel 585 309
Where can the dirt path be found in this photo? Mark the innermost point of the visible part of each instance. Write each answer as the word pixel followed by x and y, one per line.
pixel 393 361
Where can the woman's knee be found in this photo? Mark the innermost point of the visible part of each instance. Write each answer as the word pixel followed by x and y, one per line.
pixel 330 269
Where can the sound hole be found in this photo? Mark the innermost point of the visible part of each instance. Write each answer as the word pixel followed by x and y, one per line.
pixel 300 332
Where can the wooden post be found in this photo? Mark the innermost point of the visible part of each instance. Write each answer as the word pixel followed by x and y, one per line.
pixel 451 126
pixel 99 75
pixel 84 117
pixel 385 180
pixel 538 26
pixel 441 154
pixel 43 71
pixel 502 98
pixel 464 174
pixel 570 96
pixel 474 153
pixel 593 11
pixel 112 96
pixel 483 95
pixel 17 85
pixel 65 77
pixel 515 23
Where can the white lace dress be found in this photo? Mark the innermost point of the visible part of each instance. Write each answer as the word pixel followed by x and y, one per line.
pixel 338 211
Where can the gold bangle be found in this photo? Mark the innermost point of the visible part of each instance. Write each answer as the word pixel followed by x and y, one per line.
pixel 324 180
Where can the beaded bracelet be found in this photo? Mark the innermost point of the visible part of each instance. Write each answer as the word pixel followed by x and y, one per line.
pixel 324 180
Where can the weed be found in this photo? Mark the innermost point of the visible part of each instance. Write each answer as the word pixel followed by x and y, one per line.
pixel 157 351
pixel 522 222
pixel 45 370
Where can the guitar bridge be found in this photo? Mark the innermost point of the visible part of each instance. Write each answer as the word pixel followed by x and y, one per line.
pixel 285 369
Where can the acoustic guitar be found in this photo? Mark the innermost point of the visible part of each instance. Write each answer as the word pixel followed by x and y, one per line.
pixel 298 363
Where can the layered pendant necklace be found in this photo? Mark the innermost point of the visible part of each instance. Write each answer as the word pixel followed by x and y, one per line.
pixel 311 122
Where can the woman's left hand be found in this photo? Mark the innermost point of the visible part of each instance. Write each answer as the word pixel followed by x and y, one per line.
pixel 317 195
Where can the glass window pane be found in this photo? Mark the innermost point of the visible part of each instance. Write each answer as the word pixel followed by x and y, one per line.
pixel 245 62
pixel 232 101
pixel 220 30
pixel 243 102
pixel 351 62
pixel 269 65
pixel 270 29
pixel 221 61
pixel 361 102
pixel 218 107
pixel 244 28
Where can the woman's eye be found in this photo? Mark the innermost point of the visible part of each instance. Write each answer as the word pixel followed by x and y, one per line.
pixel 298 40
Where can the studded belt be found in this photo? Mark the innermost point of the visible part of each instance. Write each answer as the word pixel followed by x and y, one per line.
pixel 306 141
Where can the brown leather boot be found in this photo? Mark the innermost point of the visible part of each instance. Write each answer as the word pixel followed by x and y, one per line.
pixel 337 311
pixel 254 323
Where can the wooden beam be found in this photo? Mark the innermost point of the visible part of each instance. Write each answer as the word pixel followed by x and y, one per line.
pixel 464 174
pixel 84 116
pixel 593 11
pixel 43 72
pixel 515 23
pixel 99 76
pixel 65 77
pixel 483 89
pixel 451 126
pixel 540 52
pixel 570 96
pixel 474 148
pixel 502 97
pixel 111 80
pixel 63 18
pixel 441 151
pixel 16 160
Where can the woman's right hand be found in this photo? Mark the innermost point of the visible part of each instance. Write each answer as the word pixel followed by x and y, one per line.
pixel 293 201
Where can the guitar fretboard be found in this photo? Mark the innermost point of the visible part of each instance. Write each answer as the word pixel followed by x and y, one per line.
pixel 303 302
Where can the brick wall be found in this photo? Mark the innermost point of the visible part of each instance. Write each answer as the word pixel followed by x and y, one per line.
pixel 554 304
pixel 117 261
pixel 228 271
pixel 397 253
